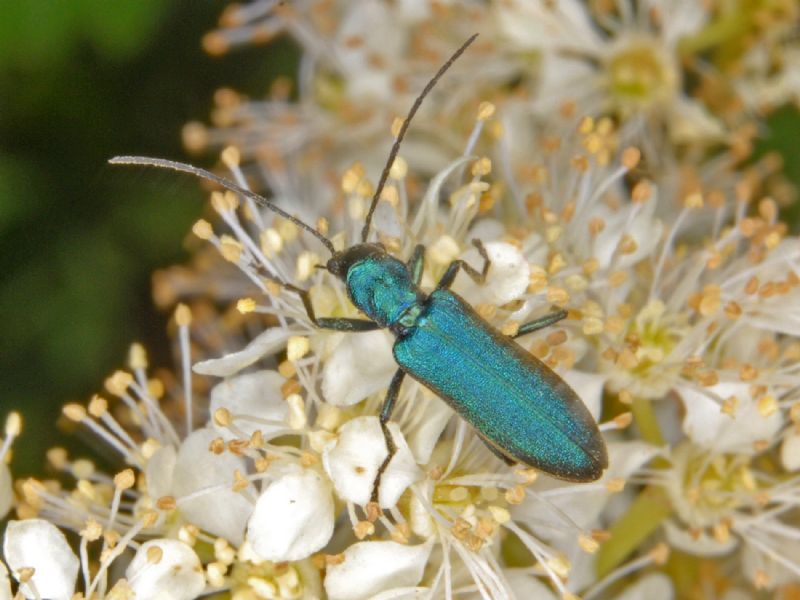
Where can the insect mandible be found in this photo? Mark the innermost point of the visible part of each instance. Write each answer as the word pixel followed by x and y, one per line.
pixel 520 408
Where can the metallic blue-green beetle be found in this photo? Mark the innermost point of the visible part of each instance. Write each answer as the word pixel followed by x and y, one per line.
pixel 517 404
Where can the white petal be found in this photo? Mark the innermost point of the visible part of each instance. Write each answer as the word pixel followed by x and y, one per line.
pixel 508 277
pixel 293 517
pixel 6 490
pixel 692 123
pixel 222 512
pixel 360 365
pixel 5 583
pixel 644 228
pixel 39 544
pixel 790 451
pixel 429 422
pixel 589 387
pixel 255 395
pixel 684 17
pixel 563 77
pixel 160 471
pixel 585 508
pixel 352 461
pixel 700 544
pixel 402 593
pixel 265 343
pixel 655 586
pixel 525 585
pixel 166 569
pixel 373 567
pixel 707 425
pixel 537 24
pixel 778 573
pixel 625 458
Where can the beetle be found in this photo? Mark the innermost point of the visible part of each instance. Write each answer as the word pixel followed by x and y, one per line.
pixel 522 409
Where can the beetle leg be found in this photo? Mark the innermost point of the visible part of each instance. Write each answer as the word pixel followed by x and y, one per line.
pixel 416 263
pixel 386 412
pixel 540 323
pixel 477 276
pixel 337 323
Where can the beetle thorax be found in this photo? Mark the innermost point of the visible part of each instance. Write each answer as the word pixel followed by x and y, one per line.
pixel 381 287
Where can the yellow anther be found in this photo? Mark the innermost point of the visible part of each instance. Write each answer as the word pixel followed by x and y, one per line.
pixel 13 424
pixel 297 347
pixel 399 169
pixel 246 305
pixel 631 157
pixel 203 229
pixel 485 111
pixel 230 248
pixel 154 554
pixel 74 412
pixel 231 157
pixel 98 406
pixel 125 480
pixel 183 315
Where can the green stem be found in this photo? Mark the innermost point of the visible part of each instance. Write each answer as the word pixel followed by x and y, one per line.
pixel 646 421
pixel 644 516
pixel 726 27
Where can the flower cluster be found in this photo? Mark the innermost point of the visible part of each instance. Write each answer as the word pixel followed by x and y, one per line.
pixel 599 182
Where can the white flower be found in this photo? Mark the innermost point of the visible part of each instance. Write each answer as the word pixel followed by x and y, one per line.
pixel 369 568
pixel 737 429
pixel 6 490
pixel 38 545
pixel 790 451
pixel 353 458
pixel 165 569
pixel 359 365
pixel 202 484
pixel 254 401
pixel 507 279
pixel 12 430
pixel 293 517
pixel 5 583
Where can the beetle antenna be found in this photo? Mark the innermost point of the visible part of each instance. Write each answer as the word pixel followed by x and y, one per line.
pixel 162 163
pixel 403 128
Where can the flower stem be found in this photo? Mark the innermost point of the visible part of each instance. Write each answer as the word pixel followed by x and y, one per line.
pixel 646 421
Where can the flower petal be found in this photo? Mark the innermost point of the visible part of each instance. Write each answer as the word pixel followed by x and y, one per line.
pixel 589 387
pixel 221 512
pixel 293 517
pixel 40 545
pixel 372 567
pixel 697 543
pixel 707 425
pixel 167 570
pixel 265 343
pixel 525 585
pixel 361 365
pixel 159 472
pixel 5 583
pixel 353 459
pixel 655 586
pixel 508 277
pixel 6 493
pixel 430 419
pixel 255 395
pixel 790 452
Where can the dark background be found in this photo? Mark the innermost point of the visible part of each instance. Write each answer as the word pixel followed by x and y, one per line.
pixel 80 82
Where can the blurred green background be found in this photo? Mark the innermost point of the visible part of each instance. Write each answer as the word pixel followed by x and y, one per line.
pixel 80 82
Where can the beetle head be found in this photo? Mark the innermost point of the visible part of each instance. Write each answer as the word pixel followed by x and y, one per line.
pixel 341 262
